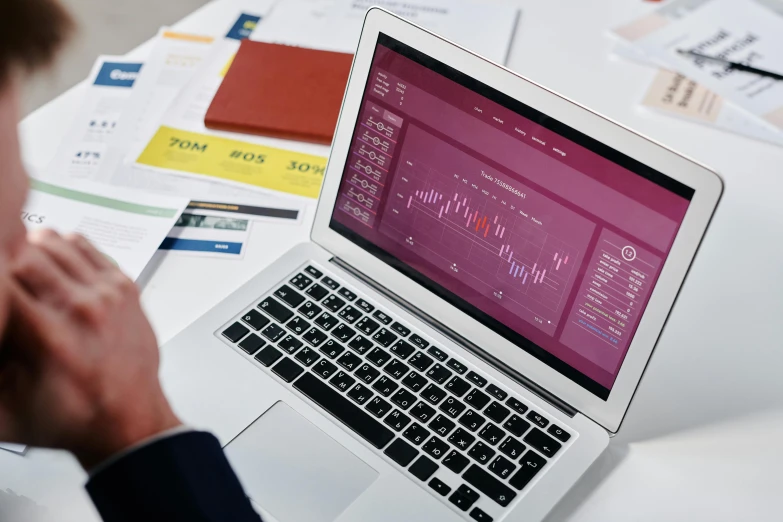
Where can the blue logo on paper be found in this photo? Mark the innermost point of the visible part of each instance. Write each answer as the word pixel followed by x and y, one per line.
pixel 118 74
pixel 243 27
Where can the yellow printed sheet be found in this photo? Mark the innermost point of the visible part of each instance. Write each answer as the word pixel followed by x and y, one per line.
pixel 235 161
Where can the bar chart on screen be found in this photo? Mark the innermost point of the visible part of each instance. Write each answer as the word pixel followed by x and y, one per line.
pixel 490 232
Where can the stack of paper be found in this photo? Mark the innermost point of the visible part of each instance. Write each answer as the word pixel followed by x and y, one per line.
pixel 743 31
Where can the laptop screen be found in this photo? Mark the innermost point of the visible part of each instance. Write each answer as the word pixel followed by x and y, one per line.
pixel 546 236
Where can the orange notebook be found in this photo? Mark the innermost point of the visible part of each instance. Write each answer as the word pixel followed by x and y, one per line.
pixel 281 91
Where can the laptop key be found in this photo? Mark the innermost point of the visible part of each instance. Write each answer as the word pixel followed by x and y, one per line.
pixel 492 434
pixel 309 309
pixel 516 425
pixel 331 283
pixel 457 386
pixel 301 281
pixel 472 420
pixel 314 337
pixel 512 448
pixel 397 420
pixel 287 369
pixel 480 516
pixel 255 320
pixel 344 410
pixel 516 405
pixel 268 356
pixel 324 369
pixel 414 382
pixel 477 379
pixel 477 399
pixel 307 356
pixel 367 326
pixel 439 373
pixel 367 373
pixel 401 452
pixel 423 468
pixel 317 292
pixel 333 303
pixel 538 419
pixel 235 332
pixel 542 442
pixel 559 433
pixel 378 407
pixel 385 386
pixel 452 407
pixel 382 317
pixel 497 412
pixel 419 341
pixel 326 321
pixel 461 502
pixel 251 344
pixel 273 332
pixel 360 394
pixel 481 452
pixel 440 487
pixel 314 272
pixel 416 433
pixel 384 337
pixel 349 361
pixel 364 305
pixel 437 353
pixel 360 344
pixel 350 314
pixel 275 309
pixel 420 361
pixel 403 399
pixel 290 344
pixel 457 366
pixel 401 329
pixel 455 461
pixel 402 349
pixel 342 381
pixel 289 296
pixel 347 294
pixel 489 485
pixel 502 467
pixel 530 465
pixel 396 369
pixel 461 439
pixel 442 425
pixel 332 348
pixel 436 447
pixel 422 412
pixel 433 394
pixel 378 357
pixel 496 392
pixel 298 325
pixel 343 333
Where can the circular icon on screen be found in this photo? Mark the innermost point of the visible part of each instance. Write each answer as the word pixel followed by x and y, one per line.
pixel 629 253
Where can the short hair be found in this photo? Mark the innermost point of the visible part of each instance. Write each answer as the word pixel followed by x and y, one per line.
pixel 31 31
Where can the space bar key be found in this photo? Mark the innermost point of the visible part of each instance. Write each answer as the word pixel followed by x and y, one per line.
pixel 329 399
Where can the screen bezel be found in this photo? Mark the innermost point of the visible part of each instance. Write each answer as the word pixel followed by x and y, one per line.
pixel 707 186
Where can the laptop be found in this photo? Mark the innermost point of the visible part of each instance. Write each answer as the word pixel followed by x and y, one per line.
pixel 490 267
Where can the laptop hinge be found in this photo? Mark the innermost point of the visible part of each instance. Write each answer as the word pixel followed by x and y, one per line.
pixel 461 341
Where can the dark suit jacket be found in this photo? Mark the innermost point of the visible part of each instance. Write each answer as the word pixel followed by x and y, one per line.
pixel 185 477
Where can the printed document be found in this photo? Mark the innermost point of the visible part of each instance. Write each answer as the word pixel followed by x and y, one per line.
pixel 335 25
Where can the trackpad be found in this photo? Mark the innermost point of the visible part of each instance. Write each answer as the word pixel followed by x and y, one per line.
pixel 296 471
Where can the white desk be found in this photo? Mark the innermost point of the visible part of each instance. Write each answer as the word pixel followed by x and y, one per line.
pixel 702 438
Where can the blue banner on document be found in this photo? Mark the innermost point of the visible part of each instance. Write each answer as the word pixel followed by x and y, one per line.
pixel 196 245
pixel 118 74
pixel 243 27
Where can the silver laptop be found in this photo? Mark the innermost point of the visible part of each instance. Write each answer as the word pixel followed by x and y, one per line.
pixel 490 268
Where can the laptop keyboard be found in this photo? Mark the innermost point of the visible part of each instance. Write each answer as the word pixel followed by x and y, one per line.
pixel 414 402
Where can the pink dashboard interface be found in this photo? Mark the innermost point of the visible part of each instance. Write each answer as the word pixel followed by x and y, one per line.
pixel 544 235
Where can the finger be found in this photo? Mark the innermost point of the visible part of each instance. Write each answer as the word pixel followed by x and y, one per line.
pixel 69 257
pixel 92 254
pixel 41 277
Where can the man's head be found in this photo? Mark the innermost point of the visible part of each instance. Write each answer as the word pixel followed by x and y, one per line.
pixel 30 33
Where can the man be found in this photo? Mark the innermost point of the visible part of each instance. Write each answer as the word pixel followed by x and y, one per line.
pixel 78 359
